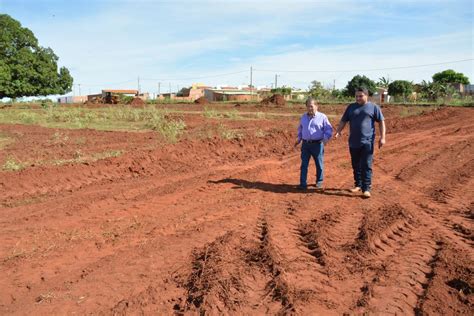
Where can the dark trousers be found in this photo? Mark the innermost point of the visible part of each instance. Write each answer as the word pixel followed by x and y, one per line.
pixel 361 159
pixel 315 150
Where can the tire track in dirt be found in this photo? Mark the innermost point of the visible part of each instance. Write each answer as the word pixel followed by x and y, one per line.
pixel 250 244
pixel 401 280
pixel 384 231
pixel 450 290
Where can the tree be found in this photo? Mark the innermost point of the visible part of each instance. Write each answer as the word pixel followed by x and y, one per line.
pixel 27 69
pixel 383 82
pixel 317 90
pixel 360 82
pixel 400 88
pixel 434 90
pixel 449 77
pixel 282 91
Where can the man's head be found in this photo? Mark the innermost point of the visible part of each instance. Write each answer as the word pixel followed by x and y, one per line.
pixel 311 106
pixel 361 95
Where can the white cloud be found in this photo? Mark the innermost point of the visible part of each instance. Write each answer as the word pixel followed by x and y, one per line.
pixel 183 39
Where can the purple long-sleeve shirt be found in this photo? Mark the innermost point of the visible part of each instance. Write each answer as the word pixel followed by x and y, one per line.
pixel 314 128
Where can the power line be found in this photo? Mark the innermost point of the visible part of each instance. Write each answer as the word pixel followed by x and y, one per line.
pixel 275 71
pixel 365 70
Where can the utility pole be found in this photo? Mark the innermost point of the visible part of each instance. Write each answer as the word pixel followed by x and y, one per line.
pixel 276 81
pixel 138 84
pixel 251 78
pixel 159 84
pixel 334 85
pixel 170 89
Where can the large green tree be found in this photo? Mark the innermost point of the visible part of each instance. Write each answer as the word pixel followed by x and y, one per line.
pixel 360 82
pixel 27 69
pixel 450 76
pixel 400 88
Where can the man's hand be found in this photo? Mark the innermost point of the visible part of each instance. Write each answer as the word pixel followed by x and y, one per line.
pixel 298 141
pixel 381 142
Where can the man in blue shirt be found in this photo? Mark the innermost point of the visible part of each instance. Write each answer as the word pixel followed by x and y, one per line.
pixel 315 131
pixel 361 117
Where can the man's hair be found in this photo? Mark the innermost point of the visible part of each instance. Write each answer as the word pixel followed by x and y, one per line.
pixel 309 100
pixel 363 90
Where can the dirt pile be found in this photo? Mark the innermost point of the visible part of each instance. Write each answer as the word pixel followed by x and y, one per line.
pixel 137 102
pixel 276 99
pixel 201 100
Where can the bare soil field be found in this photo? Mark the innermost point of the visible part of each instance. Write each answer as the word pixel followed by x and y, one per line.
pixel 117 222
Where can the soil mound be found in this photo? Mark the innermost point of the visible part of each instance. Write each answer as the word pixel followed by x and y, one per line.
pixel 137 102
pixel 201 100
pixel 276 99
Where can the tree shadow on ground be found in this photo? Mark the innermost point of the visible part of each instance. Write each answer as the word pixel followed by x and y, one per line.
pixel 282 188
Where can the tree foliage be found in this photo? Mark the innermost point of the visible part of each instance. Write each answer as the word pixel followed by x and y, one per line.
pixel 360 82
pixel 383 82
pixel 450 76
pixel 317 90
pixel 434 90
pixel 282 91
pixel 27 69
pixel 400 88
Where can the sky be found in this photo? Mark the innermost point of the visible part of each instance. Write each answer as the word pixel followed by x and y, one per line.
pixel 171 44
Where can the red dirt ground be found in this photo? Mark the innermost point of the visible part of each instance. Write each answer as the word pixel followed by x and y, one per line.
pixel 214 226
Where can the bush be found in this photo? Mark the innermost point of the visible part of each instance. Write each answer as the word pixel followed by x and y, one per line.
pixel 360 82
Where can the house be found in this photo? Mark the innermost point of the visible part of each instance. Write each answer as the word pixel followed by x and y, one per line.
pixel 72 99
pixel 380 96
pixel 213 95
pixel 298 94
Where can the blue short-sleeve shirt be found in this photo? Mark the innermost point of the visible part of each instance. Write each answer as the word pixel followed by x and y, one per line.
pixel 362 120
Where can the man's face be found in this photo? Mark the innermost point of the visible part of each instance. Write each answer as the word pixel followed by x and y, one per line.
pixel 361 97
pixel 311 108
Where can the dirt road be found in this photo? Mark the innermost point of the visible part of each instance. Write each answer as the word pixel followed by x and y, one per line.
pixel 217 226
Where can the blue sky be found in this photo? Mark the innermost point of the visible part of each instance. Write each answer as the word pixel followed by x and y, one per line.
pixel 108 44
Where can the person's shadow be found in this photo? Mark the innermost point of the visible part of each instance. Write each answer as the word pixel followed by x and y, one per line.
pixel 282 188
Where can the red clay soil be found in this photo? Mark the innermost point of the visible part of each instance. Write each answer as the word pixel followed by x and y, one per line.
pixel 137 102
pixel 276 99
pixel 217 226
pixel 201 100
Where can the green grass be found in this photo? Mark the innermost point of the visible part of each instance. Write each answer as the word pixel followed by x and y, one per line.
pixel 11 164
pixel 79 157
pixel 211 114
pixel 110 118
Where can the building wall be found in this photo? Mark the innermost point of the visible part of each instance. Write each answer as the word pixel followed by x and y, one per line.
pixel 72 99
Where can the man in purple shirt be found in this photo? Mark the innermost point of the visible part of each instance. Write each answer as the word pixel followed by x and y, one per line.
pixel 315 131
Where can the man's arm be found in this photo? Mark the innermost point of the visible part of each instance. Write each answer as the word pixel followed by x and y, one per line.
pixel 300 134
pixel 339 129
pixel 327 130
pixel 382 130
